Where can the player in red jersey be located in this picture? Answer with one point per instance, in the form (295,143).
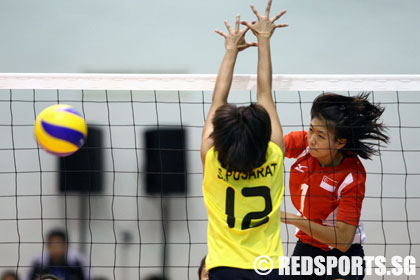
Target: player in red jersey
(327,181)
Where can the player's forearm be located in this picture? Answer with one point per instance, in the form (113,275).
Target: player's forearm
(264,77)
(224,77)
(332,236)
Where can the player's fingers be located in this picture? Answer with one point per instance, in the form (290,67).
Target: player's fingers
(267,10)
(245,30)
(280,25)
(246,23)
(220,33)
(229,28)
(278,16)
(237,22)
(247,45)
(255,11)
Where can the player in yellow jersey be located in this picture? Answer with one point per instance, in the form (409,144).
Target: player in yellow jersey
(242,153)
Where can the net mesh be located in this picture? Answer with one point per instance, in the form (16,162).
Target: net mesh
(123,231)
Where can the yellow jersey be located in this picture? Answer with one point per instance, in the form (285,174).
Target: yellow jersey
(243,211)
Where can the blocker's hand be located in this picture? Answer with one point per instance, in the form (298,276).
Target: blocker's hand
(265,25)
(235,39)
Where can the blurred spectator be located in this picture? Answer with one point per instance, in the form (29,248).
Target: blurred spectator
(47,277)
(9,275)
(58,260)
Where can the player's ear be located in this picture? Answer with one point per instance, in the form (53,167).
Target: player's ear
(340,143)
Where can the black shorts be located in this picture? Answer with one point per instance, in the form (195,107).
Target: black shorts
(303,249)
(230,273)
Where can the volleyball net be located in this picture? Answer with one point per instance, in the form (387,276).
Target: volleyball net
(141,210)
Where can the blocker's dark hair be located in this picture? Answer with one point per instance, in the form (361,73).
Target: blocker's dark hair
(353,118)
(241,136)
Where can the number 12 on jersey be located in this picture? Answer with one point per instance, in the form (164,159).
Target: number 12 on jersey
(262,191)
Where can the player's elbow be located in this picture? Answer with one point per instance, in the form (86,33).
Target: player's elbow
(345,235)
(343,247)
(344,243)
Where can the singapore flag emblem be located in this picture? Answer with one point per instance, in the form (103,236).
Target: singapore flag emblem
(328,184)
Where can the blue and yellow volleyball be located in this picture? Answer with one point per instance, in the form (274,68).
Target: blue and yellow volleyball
(60,130)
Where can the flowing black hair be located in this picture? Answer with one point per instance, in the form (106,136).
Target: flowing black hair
(241,136)
(353,118)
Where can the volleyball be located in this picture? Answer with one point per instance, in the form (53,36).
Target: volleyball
(60,130)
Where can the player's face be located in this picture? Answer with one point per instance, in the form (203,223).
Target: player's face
(204,274)
(322,142)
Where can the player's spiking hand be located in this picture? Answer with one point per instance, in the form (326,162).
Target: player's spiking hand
(235,39)
(265,25)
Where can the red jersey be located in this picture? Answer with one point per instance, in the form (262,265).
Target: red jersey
(325,195)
